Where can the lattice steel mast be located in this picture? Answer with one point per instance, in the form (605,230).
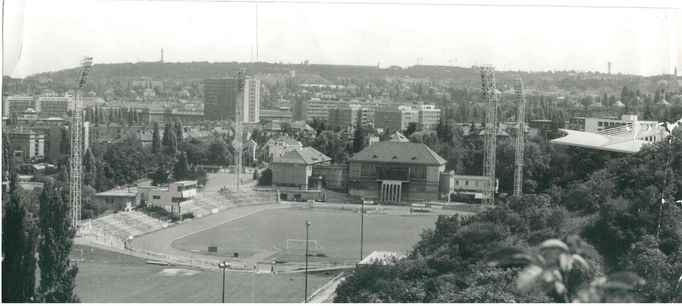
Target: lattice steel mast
(488,89)
(238,117)
(76,160)
(520,137)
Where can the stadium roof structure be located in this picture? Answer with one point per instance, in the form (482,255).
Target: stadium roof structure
(384,258)
(306,155)
(626,141)
(399,152)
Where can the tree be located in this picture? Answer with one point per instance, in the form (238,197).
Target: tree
(159,177)
(552,268)
(90,168)
(359,139)
(266,178)
(18,249)
(411,128)
(178,130)
(57,273)
(7,158)
(181,168)
(218,153)
(65,146)
(156,141)
(332,145)
(169,140)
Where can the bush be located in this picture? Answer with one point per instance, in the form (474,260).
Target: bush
(188,215)
(265,178)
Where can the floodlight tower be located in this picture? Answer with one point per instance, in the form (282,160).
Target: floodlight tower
(238,117)
(520,137)
(76,160)
(488,89)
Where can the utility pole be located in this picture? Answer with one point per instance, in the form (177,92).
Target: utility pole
(238,117)
(488,89)
(362,226)
(76,160)
(307,229)
(520,137)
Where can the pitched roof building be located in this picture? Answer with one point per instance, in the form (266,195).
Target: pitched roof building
(394,172)
(295,167)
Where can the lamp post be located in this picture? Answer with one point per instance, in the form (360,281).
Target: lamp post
(307,228)
(224,265)
(362,226)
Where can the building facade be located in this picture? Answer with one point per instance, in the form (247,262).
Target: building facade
(55,106)
(276,147)
(119,199)
(171,198)
(220,96)
(295,168)
(348,115)
(26,144)
(395,172)
(428,116)
(252,100)
(17,104)
(275,115)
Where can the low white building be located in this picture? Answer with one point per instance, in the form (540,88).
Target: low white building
(172,197)
(119,199)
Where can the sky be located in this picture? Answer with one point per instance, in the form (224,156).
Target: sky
(49,35)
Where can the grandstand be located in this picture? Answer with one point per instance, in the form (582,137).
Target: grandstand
(117,228)
(121,226)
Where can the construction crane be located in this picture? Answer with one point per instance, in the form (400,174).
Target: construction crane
(76,160)
(520,137)
(238,117)
(488,89)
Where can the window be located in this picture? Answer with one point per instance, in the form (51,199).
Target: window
(156,197)
(600,123)
(466,183)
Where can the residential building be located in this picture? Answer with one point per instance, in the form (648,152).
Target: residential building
(252,100)
(276,147)
(17,104)
(55,106)
(395,118)
(428,116)
(395,172)
(294,169)
(220,96)
(348,115)
(275,115)
(26,145)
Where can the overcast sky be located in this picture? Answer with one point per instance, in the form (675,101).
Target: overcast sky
(48,35)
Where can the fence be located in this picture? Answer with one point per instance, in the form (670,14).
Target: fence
(326,291)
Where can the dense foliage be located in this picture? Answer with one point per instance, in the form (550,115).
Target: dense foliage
(617,208)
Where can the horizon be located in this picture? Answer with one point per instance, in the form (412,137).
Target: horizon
(638,41)
(350,65)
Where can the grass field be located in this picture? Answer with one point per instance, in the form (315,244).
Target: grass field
(107,276)
(337,234)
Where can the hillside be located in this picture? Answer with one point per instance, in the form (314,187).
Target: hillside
(570,81)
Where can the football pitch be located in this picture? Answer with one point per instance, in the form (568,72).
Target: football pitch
(106,276)
(334,235)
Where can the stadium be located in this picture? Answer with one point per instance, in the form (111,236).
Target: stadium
(262,238)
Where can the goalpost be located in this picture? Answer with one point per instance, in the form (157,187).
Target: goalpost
(299,245)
